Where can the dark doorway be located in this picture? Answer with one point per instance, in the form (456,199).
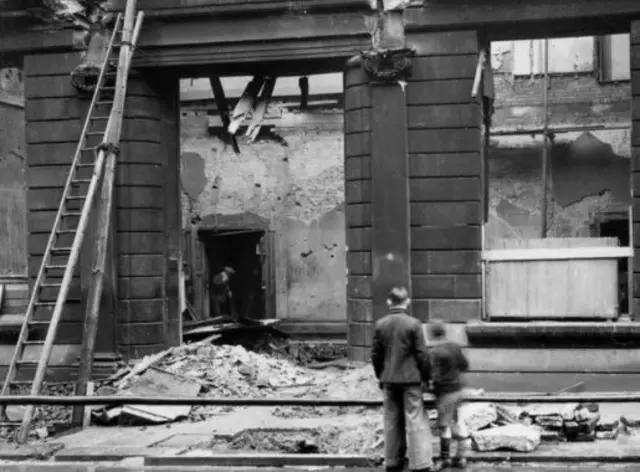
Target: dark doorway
(619,228)
(243,252)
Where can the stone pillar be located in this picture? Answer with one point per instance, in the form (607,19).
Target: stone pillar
(445,166)
(377,171)
(635,161)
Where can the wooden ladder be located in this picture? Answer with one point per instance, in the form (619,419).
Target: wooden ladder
(104,121)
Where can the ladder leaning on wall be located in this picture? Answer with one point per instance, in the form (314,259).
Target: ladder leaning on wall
(104,119)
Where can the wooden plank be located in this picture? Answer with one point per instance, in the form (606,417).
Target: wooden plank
(439,92)
(142,220)
(140,334)
(445,165)
(444,116)
(64,131)
(46,109)
(357,121)
(444,140)
(62,354)
(360,311)
(360,334)
(445,213)
(134,288)
(569,360)
(453,189)
(139,197)
(20,42)
(445,262)
(443,68)
(51,63)
(141,311)
(438,238)
(141,265)
(62,153)
(556,254)
(443,43)
(59,86)
(51,176)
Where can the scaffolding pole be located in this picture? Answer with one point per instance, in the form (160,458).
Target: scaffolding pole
(547,137)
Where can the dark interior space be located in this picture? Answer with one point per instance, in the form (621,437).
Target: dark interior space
(241,251)
(619,229)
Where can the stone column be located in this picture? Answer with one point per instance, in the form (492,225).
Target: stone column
(635,162)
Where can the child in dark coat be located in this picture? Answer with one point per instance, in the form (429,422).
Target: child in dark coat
(448,363)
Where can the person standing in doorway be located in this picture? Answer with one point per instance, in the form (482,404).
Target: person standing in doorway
(401,364)
(221,295)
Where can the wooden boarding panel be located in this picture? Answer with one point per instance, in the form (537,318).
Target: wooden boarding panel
(439,92)
(141,197)
(69,332)
(141,311)
(443,238)
(139,352)
(141,265)
(449,140)
(445,213)
(445,165)
(136,334)
(357,144)
(354,76)
(64,131)
(445,262)
(54,176)
(51,64)
(134,288)
(44,109)
(443,116)
(139,152)
(359,286)
(568,360)
(443,68)
(62,354)
(555,288)
(443,43)
(34,265)
(360,334)
(550,382)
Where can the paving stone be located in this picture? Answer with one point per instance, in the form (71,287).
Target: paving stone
(478,415)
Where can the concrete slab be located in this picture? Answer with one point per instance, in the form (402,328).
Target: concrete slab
(201,458)
(183,441)
(40,451)
(98,454)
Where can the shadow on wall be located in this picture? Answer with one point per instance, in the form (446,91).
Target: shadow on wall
(586,180)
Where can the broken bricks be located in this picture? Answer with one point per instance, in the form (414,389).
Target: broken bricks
(515,437)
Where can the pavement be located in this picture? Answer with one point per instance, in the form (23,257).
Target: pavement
(188,445)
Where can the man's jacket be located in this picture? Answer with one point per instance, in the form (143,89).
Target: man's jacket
(399,355)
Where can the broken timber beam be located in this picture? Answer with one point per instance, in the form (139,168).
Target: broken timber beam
(246,103)
(223,109)
(261,109)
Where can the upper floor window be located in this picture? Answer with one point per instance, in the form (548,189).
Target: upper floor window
(566,56)
(614,58)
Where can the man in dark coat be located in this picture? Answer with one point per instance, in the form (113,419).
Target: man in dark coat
(221,292)
(401,364)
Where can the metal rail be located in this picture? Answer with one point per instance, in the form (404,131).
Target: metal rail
(628,397)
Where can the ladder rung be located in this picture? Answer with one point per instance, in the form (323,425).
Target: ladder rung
(77,197)
(72,213)
(55,267)
(61,250)
(80,181)
(44,304)
(95,133)
(50,285)
(99,117)
(39,322)
(66,231)
(33,343)
(104,102)
(84,166)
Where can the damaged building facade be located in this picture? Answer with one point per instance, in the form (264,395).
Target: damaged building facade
(387,180)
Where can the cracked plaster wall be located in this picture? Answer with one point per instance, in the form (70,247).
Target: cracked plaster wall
(581,185)
(296,188)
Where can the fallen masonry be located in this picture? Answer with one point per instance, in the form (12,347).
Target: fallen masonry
(219,370)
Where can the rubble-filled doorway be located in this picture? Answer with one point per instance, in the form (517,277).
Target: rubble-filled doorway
(242,251)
